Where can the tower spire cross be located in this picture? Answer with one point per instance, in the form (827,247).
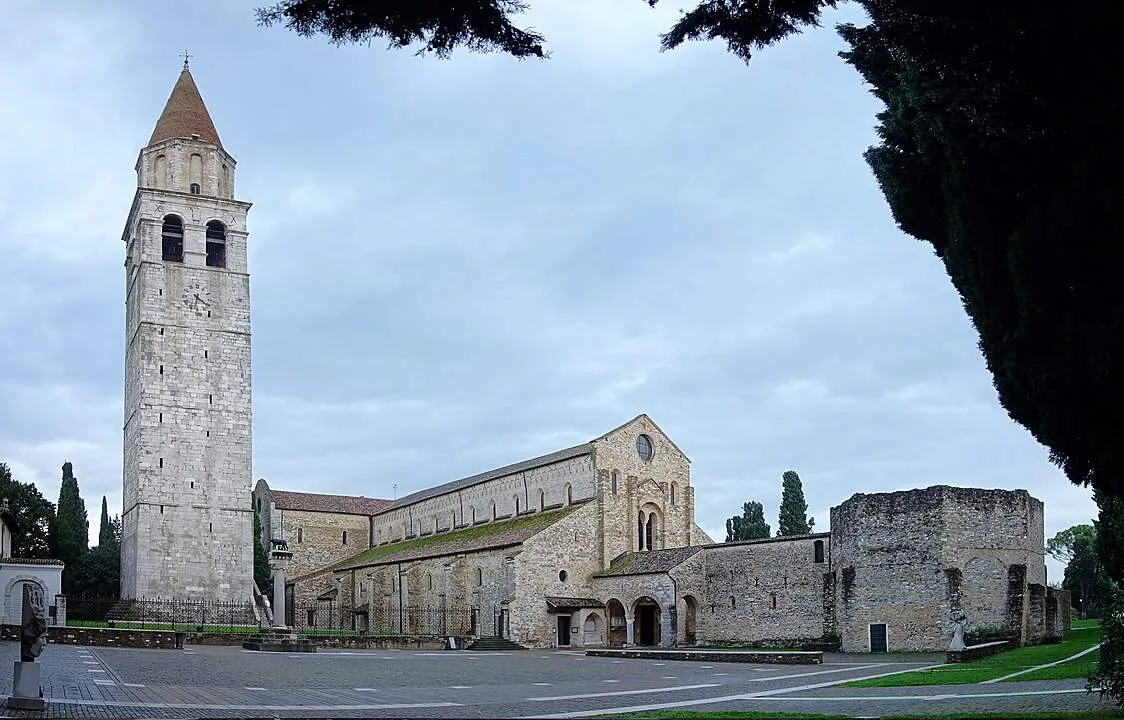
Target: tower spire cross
(186,56)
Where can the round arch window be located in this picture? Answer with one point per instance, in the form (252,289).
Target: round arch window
(562,575)
(644,447)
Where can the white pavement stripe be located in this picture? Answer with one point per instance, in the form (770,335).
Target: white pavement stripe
(542,684)
(104,682)
(1039,667)
(133,684)
(729,698)
(943,696)
(619,692)
(255,688)
(460,687)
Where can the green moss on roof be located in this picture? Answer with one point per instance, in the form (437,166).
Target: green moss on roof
(478,537)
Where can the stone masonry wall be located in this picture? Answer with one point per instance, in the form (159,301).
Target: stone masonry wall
(908,558)
(985,532)
(765,591)
(494,499)
(561,547)
(187,522)
(316,539)
(662,484)
(887,556)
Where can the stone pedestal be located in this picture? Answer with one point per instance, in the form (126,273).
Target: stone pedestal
(25,688)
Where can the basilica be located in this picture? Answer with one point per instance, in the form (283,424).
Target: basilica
(590,545)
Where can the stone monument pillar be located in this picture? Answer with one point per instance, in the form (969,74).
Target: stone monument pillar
(280,557)
(27,693)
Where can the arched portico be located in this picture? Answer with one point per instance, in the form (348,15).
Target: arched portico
(690,615)
(618,623)
(647,631)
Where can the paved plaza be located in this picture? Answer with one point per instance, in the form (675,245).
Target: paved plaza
(203,681)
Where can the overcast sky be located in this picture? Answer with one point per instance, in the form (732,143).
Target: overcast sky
(456,265)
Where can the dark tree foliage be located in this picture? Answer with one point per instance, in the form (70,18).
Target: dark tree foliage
(750,525)
(794,518)
(439,26)
(33,514)
(263,576)
(1085,578)
(69,533)
(106,532)
(98,573)
(1110,535)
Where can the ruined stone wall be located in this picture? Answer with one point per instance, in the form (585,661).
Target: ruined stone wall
(985,533)
(909,558)
(661,484)
(886,552)
(496,499)
(769,592)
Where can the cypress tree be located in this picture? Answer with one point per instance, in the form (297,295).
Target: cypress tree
(794,518)
(263,575)
(105,530)
(69,534)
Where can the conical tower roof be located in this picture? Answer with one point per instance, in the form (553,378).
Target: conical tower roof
(185,114)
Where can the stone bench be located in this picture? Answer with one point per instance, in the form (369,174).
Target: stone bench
(974,652)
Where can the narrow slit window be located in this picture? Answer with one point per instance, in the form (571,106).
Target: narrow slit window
(161,462)
(161,369)
(345,537)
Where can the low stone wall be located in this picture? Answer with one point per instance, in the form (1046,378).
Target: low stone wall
(974,652)
(101,637)
(725,656)
(388,642)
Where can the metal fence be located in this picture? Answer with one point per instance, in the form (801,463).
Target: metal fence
(216,616)
(329,617)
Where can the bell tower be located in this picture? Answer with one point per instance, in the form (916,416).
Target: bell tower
(187,521)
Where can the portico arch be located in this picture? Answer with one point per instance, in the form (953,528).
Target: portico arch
(646,612)
(591,630)
(617,624)
(690,614)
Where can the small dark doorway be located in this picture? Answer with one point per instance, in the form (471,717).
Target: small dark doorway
(878,637)
(563,630)
(647,622)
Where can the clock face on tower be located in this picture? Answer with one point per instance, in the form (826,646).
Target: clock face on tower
(197,298)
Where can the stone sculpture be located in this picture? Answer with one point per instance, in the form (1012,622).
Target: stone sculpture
(958,622)
(33,632)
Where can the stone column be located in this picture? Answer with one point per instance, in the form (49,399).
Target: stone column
(628,630)
(280,560)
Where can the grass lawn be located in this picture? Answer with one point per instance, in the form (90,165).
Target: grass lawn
(749,715)
(1083,636)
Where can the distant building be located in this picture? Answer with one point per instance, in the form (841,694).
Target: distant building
(597,545)
(16,572)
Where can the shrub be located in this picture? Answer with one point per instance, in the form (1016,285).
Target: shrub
(1109,678)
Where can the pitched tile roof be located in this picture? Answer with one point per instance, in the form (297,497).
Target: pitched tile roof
(650,561)
(185,114)
(316,502)
(504,533)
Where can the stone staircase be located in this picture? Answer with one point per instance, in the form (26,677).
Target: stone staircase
(493,644)
(278,640)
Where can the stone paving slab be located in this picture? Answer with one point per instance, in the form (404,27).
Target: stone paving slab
(226,682)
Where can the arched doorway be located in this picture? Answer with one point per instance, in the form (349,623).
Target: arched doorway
(691,609)
(617,625)
(13,597)
(591,630)
(646,630)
